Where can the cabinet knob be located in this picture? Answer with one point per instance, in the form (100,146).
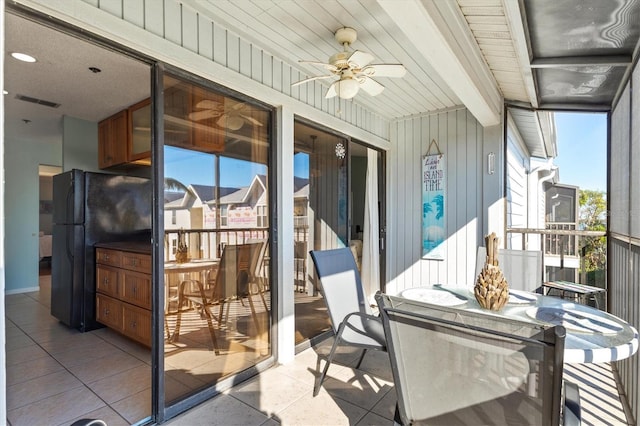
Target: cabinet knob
(105,280)
(133,324)
(106,312)
(135,290)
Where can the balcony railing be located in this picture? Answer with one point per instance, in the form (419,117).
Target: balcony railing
(208,243)
(563,253)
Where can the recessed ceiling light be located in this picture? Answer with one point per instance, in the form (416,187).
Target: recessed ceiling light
(23,57)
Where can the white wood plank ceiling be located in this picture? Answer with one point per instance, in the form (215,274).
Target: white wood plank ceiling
(295,30)
(304,30)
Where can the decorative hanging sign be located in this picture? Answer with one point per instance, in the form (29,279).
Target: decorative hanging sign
(434,230)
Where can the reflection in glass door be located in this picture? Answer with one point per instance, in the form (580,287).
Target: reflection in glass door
(320,219)
(339,201)
(216,247)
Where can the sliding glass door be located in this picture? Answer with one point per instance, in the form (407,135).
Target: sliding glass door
(217,311)
(338,202)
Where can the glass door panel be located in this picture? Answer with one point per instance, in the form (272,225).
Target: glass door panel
(216,276)
(320,219)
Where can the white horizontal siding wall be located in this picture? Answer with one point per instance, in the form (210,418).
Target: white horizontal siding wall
(464,142)
(517,165)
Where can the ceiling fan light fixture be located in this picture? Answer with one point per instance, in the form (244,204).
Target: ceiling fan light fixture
(347,88)
(231,122)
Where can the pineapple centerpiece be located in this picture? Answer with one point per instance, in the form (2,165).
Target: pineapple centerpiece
(491,289)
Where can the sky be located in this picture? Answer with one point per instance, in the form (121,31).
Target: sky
(194,167)
(582,149)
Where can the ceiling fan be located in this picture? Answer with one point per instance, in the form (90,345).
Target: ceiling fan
(353,69)
(231,115)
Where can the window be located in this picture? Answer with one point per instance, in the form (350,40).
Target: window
(223,215)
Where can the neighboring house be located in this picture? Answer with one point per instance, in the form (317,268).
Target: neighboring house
(562,256)
(191,209)
(531,147)
(246,207)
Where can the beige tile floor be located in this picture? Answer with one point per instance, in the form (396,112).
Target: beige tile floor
(56,376)
(361,397)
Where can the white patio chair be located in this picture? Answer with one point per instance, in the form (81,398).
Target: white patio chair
(460,367)
(351,317)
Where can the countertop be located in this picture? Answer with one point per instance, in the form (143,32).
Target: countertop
(131,246)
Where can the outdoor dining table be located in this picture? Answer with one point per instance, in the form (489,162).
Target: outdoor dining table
(593,336)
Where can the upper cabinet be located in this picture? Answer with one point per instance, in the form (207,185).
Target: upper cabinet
(125,137)
(112,140)
(139,130)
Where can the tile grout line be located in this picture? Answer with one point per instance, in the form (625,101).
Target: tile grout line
(50,355)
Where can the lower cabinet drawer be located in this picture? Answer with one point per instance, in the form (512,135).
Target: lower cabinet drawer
(135,288)
(109,311)
(137,323)
(123,292)
(107,280)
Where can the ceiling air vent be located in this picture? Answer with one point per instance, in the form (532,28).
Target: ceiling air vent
(37,101)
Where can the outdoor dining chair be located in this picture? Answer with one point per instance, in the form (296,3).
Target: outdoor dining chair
(351,316)
(230,281)
(453,367)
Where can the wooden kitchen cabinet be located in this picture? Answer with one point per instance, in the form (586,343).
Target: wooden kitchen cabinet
(139,141)
(123,289)
(125,137)
(107,280)
(109,311)
(112,140)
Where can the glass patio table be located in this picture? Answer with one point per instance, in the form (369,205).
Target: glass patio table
(593,335)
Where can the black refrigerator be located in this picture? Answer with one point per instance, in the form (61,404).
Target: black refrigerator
(89,208)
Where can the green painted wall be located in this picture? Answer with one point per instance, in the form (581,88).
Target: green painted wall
(80,144)
(22,158)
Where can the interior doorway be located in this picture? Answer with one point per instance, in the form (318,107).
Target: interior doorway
(45,212)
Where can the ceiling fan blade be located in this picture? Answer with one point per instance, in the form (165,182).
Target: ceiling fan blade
(237,106)
(384,70)
(371,86)
(203,115)
(306,80)
(331,93)
(329,67)
(251,120)
(208,104)
(360,59)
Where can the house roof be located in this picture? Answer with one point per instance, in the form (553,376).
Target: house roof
(299,183)
(236,197)
(206,193)
(302,192)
